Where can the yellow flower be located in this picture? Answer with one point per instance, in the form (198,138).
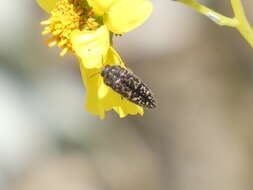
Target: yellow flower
(83,28)
(120,16)
(94,52)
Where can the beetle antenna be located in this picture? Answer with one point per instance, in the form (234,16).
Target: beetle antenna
(93,75)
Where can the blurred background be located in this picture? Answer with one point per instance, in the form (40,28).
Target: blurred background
(199,137)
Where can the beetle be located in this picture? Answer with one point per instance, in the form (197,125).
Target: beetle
(128,85)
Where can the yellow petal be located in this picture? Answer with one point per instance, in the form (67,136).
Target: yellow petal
(91,46)
(126,15)
(100,6)
(101,98)
(47,5)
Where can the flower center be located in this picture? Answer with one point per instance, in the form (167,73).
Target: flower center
(69,15)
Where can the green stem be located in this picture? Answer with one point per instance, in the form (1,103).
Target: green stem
(239,21)
(243,27)
(211,14)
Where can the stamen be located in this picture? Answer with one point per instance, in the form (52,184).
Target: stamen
(51,44)
(64,51)
(68,16)
(92,24)
(90,13)
(56,32)
(45,22)
(62,43)
(79,12)
(45,32)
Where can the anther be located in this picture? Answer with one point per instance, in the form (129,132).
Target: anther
(62,43)
(45,22)
(45,32)
(90,13)
(51,44)
(56,32)
(64,51)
